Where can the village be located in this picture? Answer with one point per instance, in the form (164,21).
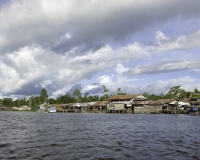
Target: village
(129,104)
(119,103)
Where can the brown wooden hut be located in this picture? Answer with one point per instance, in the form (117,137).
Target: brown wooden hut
(165,105)
(99,107)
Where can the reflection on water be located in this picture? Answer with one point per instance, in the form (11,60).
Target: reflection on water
(28,135)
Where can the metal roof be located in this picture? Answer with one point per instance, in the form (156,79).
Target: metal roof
(118,97)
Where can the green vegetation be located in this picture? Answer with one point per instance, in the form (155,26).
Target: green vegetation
(174,93)
(77,95)
(33,101)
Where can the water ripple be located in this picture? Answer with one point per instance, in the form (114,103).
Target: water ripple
(98,136)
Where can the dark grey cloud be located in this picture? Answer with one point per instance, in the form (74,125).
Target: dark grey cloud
(96,91)
(73,88)
(28,89)
(95,31)
(91,27)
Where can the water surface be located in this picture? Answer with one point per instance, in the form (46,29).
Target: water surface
(30,135)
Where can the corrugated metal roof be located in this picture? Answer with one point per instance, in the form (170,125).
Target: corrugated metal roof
(174,102)
(141,102)
(123,102)
(80,104)
(162,101)
(100,103)
(189,99)
(91,103)
(118,97)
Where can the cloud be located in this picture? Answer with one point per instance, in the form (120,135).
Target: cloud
(158,87)
(61,44)
(163,67)
(160,37)
(92,27)
(164,86)
(67,89)
(34,65)
(120,69)
(181,42)
(105,79)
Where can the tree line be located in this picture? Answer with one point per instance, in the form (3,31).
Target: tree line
(33,101)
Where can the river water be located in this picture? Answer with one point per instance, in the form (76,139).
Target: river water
(30,135)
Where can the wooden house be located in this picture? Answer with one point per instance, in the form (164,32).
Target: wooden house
(124,103)
(91,107)
(191,104)
(140,107)
(59,107)
(169,106)
(73,107)
(66,108)
(192,101)
(99,107)
(80,107)
(158,106)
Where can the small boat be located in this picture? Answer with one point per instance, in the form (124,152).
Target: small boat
(193,110)
(52,110)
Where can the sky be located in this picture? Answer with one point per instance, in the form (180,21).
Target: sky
(138,46)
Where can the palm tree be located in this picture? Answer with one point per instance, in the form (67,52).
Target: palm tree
(105,90)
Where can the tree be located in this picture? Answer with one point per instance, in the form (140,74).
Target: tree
(30,102)
(96,98)
(1,102)
(162,96)
(85,99)
(153,97)
(176,92)
(195,94)
(77,94)
(121,93)
(105,90)
(43,95)
(118,91)
(36,101)
(196,90)
(51,101)
(145,94)
(7,102)
(65,99)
